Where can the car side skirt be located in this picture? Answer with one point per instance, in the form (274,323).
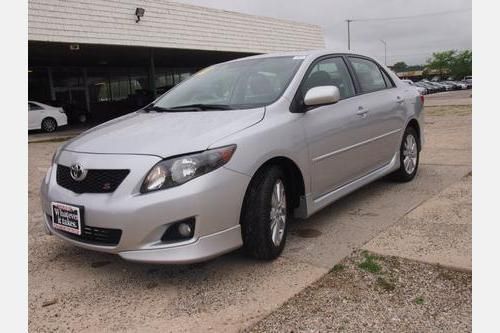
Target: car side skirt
(308,205)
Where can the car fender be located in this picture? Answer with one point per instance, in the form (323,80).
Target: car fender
(280,134)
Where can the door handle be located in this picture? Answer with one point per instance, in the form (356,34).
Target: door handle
(362,112)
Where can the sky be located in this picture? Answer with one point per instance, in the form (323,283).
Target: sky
(412,40)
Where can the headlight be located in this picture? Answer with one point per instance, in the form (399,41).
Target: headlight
(179,170)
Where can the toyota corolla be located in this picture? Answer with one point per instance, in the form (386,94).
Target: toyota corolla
(227,157)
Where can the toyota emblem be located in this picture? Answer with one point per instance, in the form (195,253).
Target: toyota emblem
(77,172)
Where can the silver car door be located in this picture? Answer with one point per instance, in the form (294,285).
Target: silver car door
(334,132)
(385,111)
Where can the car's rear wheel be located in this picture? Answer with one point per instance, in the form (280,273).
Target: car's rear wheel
(409,156)
(49,125)
(264,214)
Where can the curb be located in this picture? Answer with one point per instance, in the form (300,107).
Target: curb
(54,139)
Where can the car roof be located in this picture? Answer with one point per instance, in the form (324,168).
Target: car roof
(41,104)
(300,53)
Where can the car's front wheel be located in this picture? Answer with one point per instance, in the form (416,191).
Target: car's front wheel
(264,214)
(409,156)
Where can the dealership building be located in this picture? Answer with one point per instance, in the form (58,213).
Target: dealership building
(104,58)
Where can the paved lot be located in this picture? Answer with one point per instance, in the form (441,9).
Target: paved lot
(72,289)
(439,231)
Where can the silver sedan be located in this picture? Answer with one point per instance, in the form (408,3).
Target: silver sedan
(224,159)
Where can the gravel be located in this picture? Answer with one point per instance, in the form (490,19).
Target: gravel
(404,296)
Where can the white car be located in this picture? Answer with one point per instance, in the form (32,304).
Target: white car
(45,117)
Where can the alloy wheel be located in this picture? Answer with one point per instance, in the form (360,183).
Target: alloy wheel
(278,212)
(410,153)
(49,125)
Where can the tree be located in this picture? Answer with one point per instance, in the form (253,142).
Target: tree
(452,62)
(462,65)
(400,67)
(442,61)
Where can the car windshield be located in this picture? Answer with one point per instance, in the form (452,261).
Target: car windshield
(234,85)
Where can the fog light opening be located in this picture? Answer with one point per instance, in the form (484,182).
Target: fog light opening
(179,231)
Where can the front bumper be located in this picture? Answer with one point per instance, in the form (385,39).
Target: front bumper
(214,200)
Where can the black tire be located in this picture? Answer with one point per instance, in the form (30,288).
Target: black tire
(255,217)
(402,174)
(49,125)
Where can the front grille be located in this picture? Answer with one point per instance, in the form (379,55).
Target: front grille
(96,181)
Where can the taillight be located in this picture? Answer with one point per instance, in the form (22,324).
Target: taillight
(61,110)
(422,99)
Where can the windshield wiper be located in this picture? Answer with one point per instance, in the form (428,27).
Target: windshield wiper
(201,107)
(152,107)
(187,108)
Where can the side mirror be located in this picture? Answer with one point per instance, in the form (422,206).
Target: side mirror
(322,95)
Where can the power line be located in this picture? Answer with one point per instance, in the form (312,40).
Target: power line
(348,21)
(410,17)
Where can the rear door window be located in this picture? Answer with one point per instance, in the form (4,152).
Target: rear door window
(369,75)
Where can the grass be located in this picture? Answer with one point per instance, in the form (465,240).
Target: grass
(386,285)
(369,264)
(419,300)
(337,268)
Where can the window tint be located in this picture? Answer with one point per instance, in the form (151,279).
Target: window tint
(369,76)
(33,107)
(330,72)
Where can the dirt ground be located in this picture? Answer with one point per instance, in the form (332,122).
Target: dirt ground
(72,289)
(457,97)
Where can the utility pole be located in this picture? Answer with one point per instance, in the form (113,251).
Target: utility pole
(385,51)
(349,34)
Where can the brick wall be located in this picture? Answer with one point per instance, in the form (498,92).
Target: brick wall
(165,24)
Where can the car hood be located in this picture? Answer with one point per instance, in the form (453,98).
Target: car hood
(163,133)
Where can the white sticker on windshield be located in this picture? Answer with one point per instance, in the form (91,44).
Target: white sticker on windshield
(299,57)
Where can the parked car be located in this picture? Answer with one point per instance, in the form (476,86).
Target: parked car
(468,80)
(45,117)
(431,88)
(457,85)
(452,86)
(467,83)
(438,87)
(422,85)
(421,90)
(446,86)
(227,157)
